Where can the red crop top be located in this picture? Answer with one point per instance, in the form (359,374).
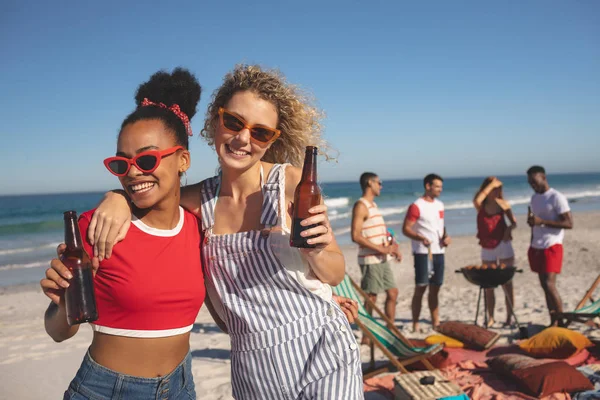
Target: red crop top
(153,284)
(490,229)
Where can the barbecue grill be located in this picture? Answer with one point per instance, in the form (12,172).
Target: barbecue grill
(489,277)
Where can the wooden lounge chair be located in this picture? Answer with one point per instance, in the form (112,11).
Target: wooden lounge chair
(584,313)
(397,348)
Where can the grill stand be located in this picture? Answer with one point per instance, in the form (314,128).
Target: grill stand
(523,333)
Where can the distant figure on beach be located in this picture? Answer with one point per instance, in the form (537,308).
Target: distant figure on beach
(495,238)
(151,289)
(424,225)
(290,337)
(550,216)
(369,232)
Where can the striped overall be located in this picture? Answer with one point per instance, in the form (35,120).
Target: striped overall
(286,342)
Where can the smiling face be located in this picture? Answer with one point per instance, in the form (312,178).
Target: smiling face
(147,190)
(235,149)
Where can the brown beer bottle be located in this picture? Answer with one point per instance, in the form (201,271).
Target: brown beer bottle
(307,195)
(530,215)
(79,296)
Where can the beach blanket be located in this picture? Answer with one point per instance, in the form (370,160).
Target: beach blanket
(481,383)
(468,369)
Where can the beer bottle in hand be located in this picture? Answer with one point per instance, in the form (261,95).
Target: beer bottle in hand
(530,218)
(307,195)
(79,296)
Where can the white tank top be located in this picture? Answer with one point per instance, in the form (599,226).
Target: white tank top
(375,230)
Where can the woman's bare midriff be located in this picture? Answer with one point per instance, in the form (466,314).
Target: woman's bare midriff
(142,357)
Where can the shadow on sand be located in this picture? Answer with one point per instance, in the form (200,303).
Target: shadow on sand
(206,328)
(219,354)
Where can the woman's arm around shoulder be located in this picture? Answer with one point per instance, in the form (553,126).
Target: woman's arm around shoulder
(110,223)
(191,198)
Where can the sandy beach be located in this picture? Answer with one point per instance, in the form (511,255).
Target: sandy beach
(32,366)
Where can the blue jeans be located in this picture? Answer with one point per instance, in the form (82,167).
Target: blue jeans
(95,382)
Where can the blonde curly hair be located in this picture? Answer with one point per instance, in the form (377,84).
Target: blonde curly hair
(298,117)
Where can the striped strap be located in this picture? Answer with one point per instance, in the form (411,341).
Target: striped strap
(269,213)
(208,188)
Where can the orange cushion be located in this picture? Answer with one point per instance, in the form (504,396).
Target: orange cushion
(555,343)
(448,341)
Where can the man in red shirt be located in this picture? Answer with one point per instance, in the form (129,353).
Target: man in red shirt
(424,225)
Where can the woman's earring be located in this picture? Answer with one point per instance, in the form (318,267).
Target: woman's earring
(185,174)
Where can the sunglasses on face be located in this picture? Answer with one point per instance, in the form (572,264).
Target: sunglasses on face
(258,133)
(147,161)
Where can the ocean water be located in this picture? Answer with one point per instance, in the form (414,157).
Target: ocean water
(31,226)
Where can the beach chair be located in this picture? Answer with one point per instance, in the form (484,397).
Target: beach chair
(397,348)
(582,313)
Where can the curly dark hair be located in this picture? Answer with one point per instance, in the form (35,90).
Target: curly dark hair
(178,87)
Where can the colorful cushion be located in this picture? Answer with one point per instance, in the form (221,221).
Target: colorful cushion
(540,378)
(555,343)
(446,340)
(548,378)
(472,336)
(507,363)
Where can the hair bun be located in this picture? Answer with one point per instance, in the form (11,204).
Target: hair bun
(178,87)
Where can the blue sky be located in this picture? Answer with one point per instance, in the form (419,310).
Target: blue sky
(461,88)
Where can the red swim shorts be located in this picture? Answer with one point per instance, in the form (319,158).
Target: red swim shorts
(546,260)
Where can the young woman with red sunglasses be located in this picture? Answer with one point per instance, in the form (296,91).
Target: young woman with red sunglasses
(151,289)
(289,338)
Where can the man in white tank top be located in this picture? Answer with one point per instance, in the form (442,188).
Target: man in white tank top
(369,231)
(424,225)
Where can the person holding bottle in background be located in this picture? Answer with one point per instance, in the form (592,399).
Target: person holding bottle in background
(375,249)
(549,216)
(424,225)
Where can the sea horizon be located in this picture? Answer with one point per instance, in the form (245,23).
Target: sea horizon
(31,225)
(550,175)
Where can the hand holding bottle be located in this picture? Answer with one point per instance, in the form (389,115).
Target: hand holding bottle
(316,229)
(58,276)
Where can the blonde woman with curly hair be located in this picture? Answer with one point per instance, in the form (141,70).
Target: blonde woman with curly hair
(289,338)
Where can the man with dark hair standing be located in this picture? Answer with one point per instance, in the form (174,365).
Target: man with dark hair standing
(369,231)
(424,225)
(550,215)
